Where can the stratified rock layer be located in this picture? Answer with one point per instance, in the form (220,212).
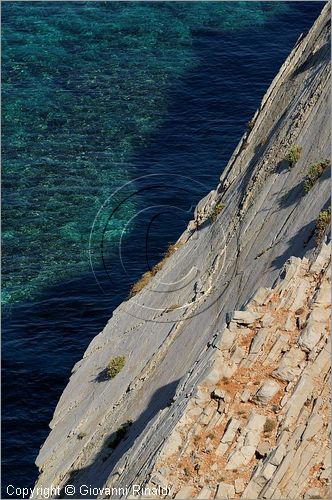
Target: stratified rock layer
(258,423)
(242,235)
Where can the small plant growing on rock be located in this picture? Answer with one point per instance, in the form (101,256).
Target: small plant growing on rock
(120,434)
(315,171)
(115,366)
(269,425)
(141,283)
(322,223)
(216,211)
(148,275)
(293,155)
(170,250)
(81,435)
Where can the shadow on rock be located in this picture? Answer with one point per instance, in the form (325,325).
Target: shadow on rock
(116,445)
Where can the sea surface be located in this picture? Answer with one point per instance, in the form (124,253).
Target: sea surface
(117,118)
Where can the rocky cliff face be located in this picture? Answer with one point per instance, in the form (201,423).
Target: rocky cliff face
(236,404)
(257,424)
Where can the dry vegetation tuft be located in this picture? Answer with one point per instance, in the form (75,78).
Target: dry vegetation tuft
(148,275)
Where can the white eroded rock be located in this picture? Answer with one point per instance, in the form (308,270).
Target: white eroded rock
(268,390)
(225,491)
(244,317)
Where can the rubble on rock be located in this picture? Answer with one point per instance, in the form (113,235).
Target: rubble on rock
(274,442)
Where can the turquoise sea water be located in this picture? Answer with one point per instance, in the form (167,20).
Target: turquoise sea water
(96,94)
(84,85)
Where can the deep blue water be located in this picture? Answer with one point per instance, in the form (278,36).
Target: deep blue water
(96,95)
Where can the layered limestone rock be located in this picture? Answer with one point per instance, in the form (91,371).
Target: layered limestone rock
(243,233)
(258,423)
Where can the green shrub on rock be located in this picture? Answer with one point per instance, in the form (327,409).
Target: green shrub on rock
(293,155)
(315,171)
(115,366)
(120,434)
(216,211)
(322,223)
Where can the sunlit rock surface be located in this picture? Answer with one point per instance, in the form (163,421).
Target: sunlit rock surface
(201,383)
